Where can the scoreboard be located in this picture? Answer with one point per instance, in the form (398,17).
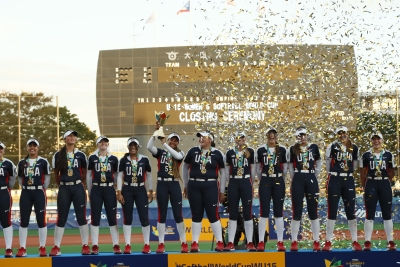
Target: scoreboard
(224,86)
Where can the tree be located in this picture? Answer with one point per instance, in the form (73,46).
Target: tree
(38,118)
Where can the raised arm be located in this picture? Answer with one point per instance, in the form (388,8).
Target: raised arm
(151,147)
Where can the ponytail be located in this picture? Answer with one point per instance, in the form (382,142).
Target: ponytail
(349,146)
(175,166)
(296,149)
(61,164)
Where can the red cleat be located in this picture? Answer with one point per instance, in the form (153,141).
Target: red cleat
(194,247)
(219,247)
(367,246)
(327,246)
(9,253)
(127,249)
(42,252)
(21,252)
(85,250)
(250,247)
(55,251)
(146,249)
(294,246)
(229,247)
(117,249)
(280,246)
(184,248)
(95,250)
(260,246)
(356,246)
(316,246)
(391,246)
(161,248)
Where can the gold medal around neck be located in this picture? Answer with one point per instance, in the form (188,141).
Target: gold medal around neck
(134,179)
(171,172)
(103,177)
(305,166)
(70,172)
(30,181)
(203,170)
(271,171)
(346,168)
(240,171)
(378,173)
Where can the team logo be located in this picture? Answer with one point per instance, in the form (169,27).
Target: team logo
(172,55)
(98,265)
(355,263)
(154,230)
(333,263)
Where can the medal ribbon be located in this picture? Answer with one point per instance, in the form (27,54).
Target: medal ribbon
(378,164)
(134,164)
(239,158)
(304,156)
(103,165)
(169,160)
(30,169)
(271,157)
(204,158)
(70,161)
(344,153)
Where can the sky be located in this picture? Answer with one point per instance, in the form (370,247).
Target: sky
(53,46)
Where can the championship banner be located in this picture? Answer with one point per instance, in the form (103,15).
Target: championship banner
(237,259)
(31,262)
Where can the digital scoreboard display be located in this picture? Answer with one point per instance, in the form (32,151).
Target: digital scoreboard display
(221,86)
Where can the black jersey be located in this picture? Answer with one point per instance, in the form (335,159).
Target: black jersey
(341,158)
(236,160)
(266,159)
(32,173)
(377,162)
(164,163)
(7,169)
(204,166)
(78,163)
(135,170)
(103,168)
(307,159)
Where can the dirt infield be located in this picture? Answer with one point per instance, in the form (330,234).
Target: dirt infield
(138,238)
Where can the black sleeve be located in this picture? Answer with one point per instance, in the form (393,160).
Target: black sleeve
(188,158)
(84,160)
(283,156)
(90,163)
(115,164)
(148,167)
(250,160)
(317,154)
(356,154)
(20,169)
(121,165)
(291,154)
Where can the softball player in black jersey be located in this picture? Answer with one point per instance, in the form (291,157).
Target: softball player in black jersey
(376,170)
(70,166)
(134,175)
(34,178)
(7,181)
(201,167)
(100,178)
(168,187)
(272,168)
(341,162)
(241,172)
(304,167)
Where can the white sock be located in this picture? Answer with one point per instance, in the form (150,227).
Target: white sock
(315,228)
(196,230)
(232,226)
(294,228)
(23,234)
(161,232)
(248,229)
(181,230)
(8,236)
(353,229)
(330,226)
(84,229)
(94,234)
(114,234)
(42,236)
(368,228)
(127,234)
(279,228)
(388,226)
(58,234)
(262,226)
(146,234)
(217,230)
